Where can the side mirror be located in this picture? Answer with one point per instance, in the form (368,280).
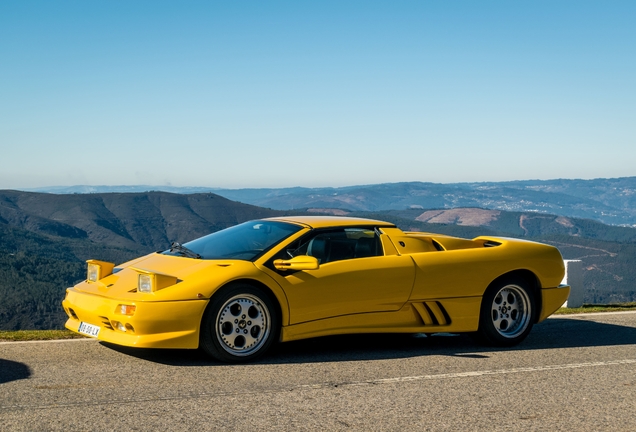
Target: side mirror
(301,262)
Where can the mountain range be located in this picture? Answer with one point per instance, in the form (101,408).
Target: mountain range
(45,239)
(611,201)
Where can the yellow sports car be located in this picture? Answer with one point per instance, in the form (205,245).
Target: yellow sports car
(235,292)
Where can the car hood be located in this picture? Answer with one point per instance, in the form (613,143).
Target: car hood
(195,278)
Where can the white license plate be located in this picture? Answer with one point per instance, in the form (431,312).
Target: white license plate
(88,329)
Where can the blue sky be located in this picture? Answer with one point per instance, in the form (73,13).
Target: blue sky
(276,94)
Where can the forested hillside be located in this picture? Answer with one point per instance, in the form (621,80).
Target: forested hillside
(36,269)
(129,220)
(45,240)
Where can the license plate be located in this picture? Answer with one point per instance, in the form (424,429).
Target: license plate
(88,329)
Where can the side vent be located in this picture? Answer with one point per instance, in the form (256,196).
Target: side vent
(432,313)
(438,246)
(491,243)
(106,322)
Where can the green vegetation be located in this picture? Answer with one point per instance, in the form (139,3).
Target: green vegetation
(609,274)
(37,335)
(46,239)
(631,306)
(35,271)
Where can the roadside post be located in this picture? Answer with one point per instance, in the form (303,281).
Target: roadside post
(574,278)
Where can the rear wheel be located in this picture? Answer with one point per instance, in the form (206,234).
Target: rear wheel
(507,313)
(239,324)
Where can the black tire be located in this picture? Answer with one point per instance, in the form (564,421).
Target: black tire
(507,313)
(239,324)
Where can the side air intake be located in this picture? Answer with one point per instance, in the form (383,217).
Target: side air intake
(432,313)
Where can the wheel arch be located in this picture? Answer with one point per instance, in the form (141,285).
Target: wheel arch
(281,311)
(533,283)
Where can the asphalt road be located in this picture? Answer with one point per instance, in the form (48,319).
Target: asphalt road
(574,373)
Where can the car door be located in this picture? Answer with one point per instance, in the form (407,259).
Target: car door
(354,276)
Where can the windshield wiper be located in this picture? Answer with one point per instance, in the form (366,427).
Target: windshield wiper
(184,251)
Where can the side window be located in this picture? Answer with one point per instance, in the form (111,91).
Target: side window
(341,244)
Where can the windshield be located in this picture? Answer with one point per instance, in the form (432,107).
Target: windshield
(244,242)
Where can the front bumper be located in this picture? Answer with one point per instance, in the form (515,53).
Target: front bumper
(167,324)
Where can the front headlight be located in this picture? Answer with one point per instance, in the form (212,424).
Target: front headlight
(148,281)
(144,283)
(97,270)
(93,273)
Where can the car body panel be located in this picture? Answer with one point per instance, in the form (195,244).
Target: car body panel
(168,324)
(552,300)
(317,222)
(372,284)
(437,274)
(414,317)
(421,282)
(194,277)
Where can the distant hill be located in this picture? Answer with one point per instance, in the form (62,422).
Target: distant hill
(137,221)
(46,238)
(611,201)
(608,252)
(520,224)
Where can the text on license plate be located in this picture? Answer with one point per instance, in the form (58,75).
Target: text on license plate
(88,329)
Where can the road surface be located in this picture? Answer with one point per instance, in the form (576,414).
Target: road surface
(572,373)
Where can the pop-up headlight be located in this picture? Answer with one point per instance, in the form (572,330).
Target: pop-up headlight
(97,270)
(148,281)
(145,283)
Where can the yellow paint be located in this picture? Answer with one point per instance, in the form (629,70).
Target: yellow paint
(414,287)
(156,324)
(104,268)
(301,262)
(553,299)
(406,320)
(159,280)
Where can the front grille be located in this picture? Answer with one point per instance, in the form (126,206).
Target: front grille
(106,322)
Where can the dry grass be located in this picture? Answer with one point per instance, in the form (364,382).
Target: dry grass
(597,308)
(31,335)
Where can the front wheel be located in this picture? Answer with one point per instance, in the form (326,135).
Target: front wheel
(507,313)
(239,324)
